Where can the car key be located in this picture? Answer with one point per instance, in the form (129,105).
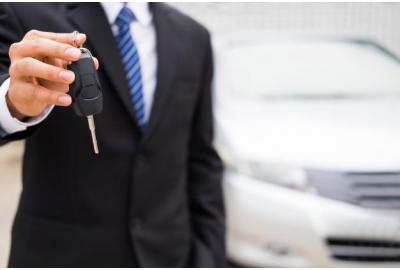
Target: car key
(86,92)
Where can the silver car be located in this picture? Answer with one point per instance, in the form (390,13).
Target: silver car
(309,129)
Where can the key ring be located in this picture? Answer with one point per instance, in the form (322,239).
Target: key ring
(74,38)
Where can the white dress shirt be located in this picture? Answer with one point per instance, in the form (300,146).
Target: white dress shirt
(144,35)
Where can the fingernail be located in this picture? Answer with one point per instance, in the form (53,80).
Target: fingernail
(64,99)
(67,75)
(73,52)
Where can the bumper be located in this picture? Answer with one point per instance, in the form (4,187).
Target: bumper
(274,226)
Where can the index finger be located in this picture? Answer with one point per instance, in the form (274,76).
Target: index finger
(42,47)
(67,38)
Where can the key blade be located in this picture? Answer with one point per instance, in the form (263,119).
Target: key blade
(92,128)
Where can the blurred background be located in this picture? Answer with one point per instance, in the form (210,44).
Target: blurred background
(307,116)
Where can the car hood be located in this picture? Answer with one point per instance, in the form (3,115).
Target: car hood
(341,134)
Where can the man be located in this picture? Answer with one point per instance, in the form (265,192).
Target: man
(152,197)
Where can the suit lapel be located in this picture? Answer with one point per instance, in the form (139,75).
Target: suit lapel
(167,54)
(90,19)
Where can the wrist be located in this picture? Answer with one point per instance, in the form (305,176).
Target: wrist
(13,110)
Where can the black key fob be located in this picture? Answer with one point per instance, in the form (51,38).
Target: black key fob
(85,90)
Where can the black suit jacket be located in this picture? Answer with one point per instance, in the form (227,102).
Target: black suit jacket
(150,198)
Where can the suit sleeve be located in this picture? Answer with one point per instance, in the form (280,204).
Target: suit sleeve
(205,174)
(11,31)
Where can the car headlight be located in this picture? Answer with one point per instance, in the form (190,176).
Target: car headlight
(279,174)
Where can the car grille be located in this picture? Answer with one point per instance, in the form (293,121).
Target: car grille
(373,190)
(364,250)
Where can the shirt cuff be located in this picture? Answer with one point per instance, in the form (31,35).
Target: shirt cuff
(12,125)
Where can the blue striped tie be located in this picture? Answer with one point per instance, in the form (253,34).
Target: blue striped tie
(131,63)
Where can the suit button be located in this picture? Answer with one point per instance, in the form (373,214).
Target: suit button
(137,225)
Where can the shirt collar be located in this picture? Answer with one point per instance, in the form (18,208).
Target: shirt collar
(140,9)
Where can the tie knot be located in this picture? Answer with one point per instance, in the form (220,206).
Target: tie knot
(125,16)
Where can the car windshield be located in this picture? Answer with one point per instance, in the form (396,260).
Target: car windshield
(309,69)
